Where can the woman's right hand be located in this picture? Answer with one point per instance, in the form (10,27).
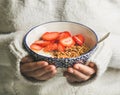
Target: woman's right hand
(39,70)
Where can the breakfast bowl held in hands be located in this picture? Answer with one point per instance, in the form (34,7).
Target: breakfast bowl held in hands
(61,43)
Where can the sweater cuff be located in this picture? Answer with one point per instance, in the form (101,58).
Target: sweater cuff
(101,57)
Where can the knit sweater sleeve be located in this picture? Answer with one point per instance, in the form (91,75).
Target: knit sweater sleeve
(115,60)
(17,50)
(101,57)
(5,39)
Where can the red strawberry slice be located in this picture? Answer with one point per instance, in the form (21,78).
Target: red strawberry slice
(64,34)
(68,42)
(42,43)
(50,36)
(60,48)
(50,47)
(79,39)
(35,47)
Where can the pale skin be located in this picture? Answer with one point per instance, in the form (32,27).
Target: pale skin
(42,70)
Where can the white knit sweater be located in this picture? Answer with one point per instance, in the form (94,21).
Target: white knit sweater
(18,16)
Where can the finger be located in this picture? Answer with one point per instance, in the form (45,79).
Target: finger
(33,66)
(70,77)
(40,72)
(78,74)
(84,69)
(73,79)
(27,59)
(92,65)
(47,75)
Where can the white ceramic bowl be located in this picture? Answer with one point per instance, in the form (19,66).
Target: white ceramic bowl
(75,28)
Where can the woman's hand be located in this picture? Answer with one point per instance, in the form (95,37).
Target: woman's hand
(80,72)
(39,70)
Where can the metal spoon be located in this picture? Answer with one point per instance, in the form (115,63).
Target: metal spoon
(104,37)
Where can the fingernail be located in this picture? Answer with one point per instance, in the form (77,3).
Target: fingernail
(76,66)
(91,64)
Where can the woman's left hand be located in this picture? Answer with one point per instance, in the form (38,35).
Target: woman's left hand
(80,72)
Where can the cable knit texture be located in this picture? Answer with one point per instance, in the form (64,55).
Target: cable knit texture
(101,15)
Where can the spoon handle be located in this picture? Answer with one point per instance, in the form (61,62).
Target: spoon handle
(104,37)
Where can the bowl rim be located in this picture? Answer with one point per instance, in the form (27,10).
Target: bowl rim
(32,52)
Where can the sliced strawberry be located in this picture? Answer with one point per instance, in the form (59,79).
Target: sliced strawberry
(79,39)
(68,42)
(50,47)
(35,47)
(64,34)
(50,36)
(42,43)
(60,48)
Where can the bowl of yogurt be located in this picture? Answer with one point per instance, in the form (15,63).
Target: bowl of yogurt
(62,43)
